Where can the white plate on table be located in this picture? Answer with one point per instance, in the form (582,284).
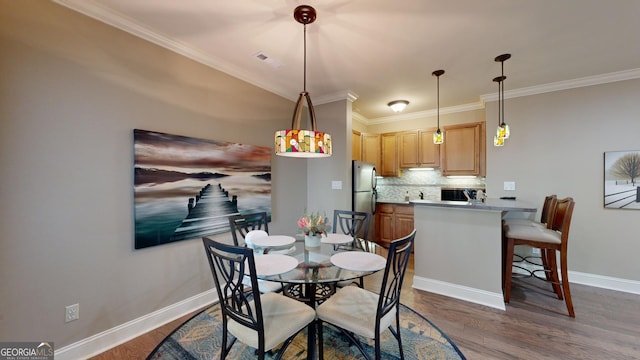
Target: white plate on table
(274,264)
(358,261)
(336,239)
(273,241)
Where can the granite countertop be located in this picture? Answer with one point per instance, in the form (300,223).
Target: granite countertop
(488,205)
(397,202)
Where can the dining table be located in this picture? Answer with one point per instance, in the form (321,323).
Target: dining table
(311,274)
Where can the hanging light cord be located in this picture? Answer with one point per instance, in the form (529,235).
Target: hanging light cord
(304,84)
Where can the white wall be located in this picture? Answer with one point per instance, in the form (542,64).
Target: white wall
(72,91)
(557,146)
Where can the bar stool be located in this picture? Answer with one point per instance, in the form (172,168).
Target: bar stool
(554,237)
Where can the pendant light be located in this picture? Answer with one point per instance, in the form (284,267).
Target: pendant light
(497,140)
(296,142)
(503,130)
(438,136)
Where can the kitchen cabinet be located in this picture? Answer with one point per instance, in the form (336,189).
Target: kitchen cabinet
(371,149)
(463,150)
(418,150)
(389,147)
(393,221)
(356,145)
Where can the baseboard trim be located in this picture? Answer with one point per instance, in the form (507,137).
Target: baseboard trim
(599,281)
(605,282)
(110,338)
(461,292)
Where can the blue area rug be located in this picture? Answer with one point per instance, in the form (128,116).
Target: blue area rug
(200,337)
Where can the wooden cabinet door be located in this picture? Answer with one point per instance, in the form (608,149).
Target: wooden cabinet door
(386,229)
(389,166)
(356,145)
(428,152)
(371,149)
(408,148)
(462,149)
(403,225)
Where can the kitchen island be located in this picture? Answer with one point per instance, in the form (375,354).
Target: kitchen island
(458,248)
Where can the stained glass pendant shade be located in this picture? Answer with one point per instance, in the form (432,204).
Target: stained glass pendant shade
(296,142)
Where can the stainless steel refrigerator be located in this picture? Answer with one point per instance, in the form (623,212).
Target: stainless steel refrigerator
(364,192)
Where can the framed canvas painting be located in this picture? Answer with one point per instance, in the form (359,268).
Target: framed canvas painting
(186,188)
(622,179)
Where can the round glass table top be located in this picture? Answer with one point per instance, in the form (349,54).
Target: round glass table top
(315,266)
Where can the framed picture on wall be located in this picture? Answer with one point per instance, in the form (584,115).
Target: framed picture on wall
(186,188)
(622,179)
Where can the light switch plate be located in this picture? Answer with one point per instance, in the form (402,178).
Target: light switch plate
(510,185)
(336,185)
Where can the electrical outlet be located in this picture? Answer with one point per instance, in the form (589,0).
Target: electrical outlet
(510,185)
(72,312)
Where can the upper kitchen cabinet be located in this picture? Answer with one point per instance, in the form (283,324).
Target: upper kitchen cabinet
(371,149)
(463,150)
(389,146)
(356,145)
(418,150)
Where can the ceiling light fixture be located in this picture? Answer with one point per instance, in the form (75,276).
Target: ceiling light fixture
(295,142)
(398,105)
(503,130)
(438,136)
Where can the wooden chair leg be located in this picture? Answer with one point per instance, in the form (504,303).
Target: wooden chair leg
(508,259)
(551,268)
(565,284)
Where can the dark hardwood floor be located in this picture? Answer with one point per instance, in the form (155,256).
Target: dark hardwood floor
(535,325)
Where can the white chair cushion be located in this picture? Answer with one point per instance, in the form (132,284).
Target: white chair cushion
(254,234)
(534,233)
(282,317)
(264,286)
(354,309)
(524,222)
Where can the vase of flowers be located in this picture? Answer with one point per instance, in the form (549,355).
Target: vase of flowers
(313,226)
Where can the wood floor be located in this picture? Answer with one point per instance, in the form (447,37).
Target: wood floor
(535,325)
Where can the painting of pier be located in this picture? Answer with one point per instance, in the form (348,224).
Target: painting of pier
(186,188)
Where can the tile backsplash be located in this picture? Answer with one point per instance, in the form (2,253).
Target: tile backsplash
(429,182)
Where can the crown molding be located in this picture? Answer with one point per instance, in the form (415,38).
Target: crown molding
(567,84)
(423,114)
(340,95)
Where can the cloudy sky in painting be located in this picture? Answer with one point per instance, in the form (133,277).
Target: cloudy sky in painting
(191,155)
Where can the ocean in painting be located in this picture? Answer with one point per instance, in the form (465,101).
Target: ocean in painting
(218,178)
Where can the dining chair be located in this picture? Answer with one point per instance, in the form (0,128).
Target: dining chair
(553,238)
(243,225)
(354,310)
(547,206)
(355,224)
(261,321)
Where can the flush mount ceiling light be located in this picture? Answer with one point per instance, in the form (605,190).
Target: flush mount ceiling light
(438,136)
(503,130)
(398,105)
(295,142)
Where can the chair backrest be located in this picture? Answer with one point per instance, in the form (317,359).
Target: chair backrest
(354,223)
(548,207)
(397,260)
(229,266)
(242,224)
(561,220)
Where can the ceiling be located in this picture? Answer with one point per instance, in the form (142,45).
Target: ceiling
(382,50)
